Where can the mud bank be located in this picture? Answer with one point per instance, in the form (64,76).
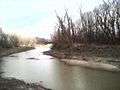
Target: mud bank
(94,57)
(6,52)
(92,65)
(15,84)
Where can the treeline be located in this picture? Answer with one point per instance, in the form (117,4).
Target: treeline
(12,40)
(42,40)
(8,41)
(100,26)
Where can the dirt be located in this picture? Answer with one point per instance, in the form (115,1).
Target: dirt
(15,84)
(8,51)
(105,54)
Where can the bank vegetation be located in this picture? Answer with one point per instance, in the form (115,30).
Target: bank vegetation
(94,38)
(12,43)
(100,27)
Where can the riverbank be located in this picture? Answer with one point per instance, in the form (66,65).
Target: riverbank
(15,84)
(6,52)
(103,57)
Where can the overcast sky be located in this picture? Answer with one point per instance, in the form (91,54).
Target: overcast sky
(37,17)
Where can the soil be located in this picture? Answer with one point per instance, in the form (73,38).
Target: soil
(106,54)
(15,84)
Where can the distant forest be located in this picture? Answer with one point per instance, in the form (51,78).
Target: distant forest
(8,41)
(12,40)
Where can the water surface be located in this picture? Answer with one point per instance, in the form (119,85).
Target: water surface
(33,66)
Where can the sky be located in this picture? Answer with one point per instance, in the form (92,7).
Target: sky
(37,17)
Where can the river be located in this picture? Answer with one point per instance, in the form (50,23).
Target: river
(33,66)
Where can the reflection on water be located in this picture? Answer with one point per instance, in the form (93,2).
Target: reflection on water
(55,74)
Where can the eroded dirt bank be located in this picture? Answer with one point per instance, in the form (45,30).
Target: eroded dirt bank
(100,57)
(15,84)
(6,52)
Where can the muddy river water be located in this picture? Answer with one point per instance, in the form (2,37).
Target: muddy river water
(33,66)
